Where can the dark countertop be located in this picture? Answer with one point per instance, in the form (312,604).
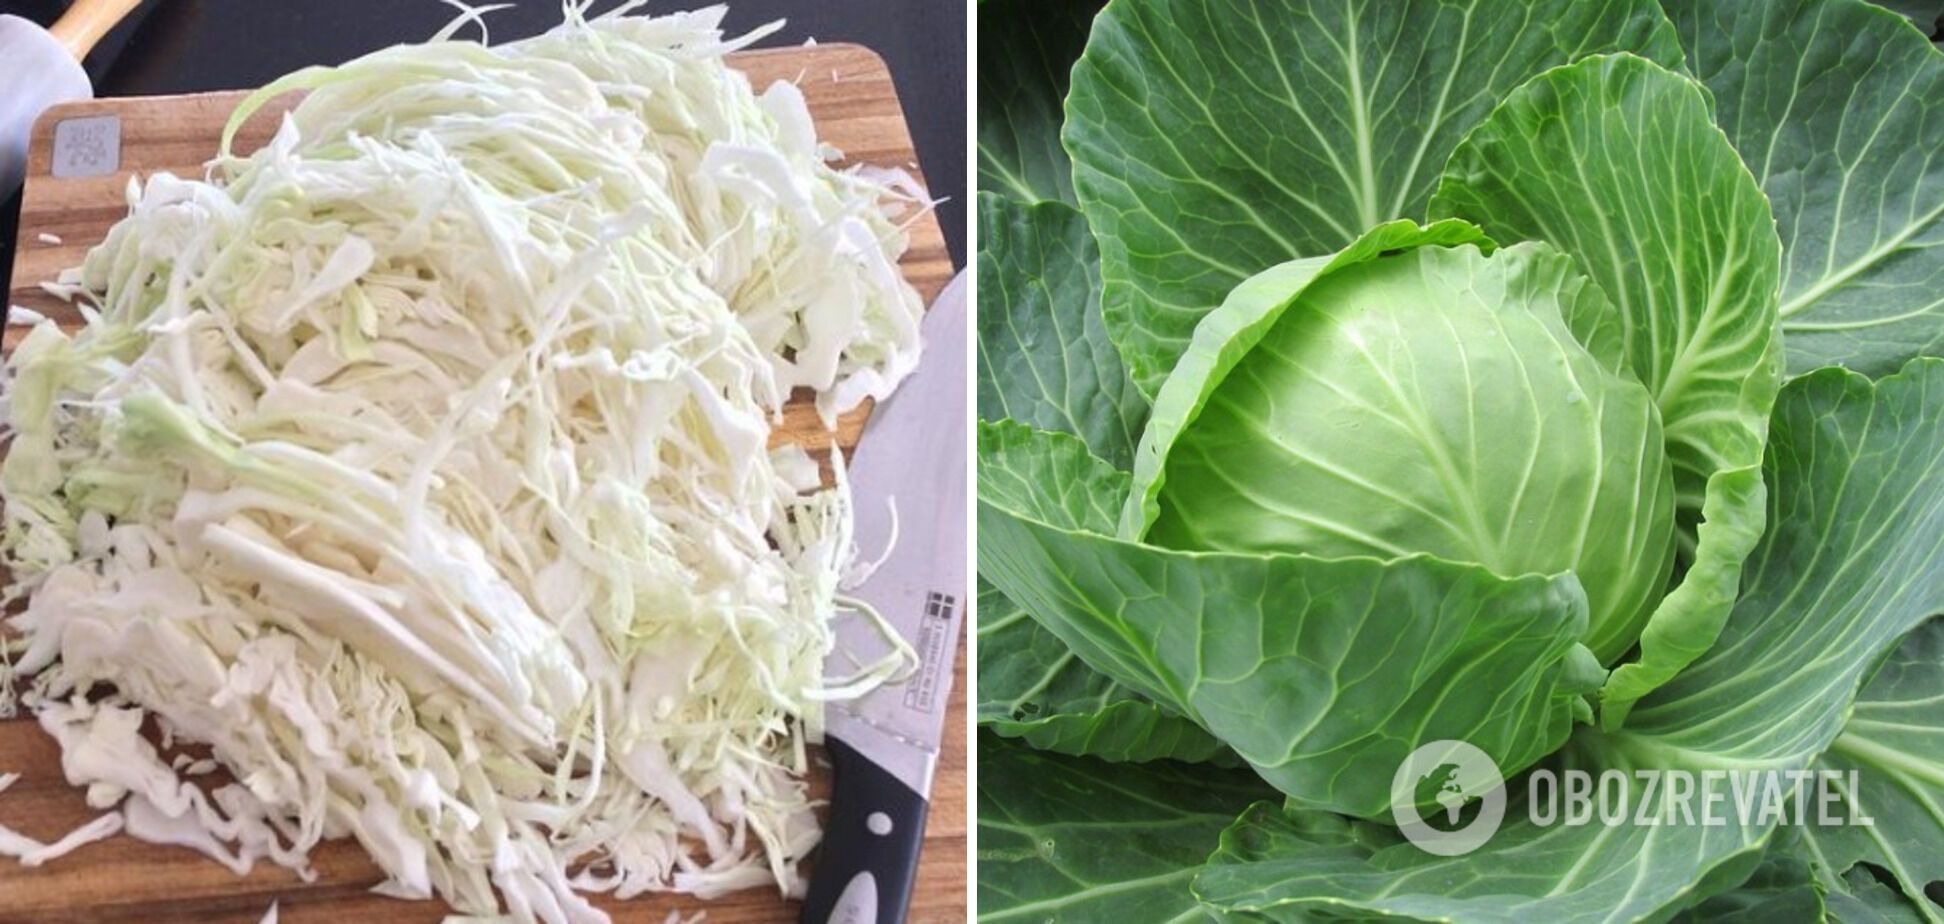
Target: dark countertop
(186,46)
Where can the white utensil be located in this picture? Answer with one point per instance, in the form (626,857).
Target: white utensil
(42,67)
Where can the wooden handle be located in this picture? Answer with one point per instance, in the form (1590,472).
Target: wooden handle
(87,21)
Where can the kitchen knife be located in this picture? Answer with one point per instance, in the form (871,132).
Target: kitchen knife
(41,67)
(884,746)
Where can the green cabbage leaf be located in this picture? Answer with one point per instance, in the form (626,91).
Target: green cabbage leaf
(1562,378)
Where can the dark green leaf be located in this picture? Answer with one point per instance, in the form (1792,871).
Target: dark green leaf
(1074,840)
(1026,52)
(1032,687)
(1044,357)
(1894,745)
(1782,889)
(1858,898)
(1838,108)
(1213,139)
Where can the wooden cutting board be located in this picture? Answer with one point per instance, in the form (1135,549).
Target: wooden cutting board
(856,108)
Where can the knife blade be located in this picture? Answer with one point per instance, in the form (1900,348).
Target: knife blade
(884,745)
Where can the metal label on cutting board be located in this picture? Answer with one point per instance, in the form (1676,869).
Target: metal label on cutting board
(87,146)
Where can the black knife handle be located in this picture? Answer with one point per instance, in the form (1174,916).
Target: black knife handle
(869,857)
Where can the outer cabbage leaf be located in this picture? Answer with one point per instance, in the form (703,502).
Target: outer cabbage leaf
(1403,398)
(1781,889)
(1321,674)
(1032,687)
(1268,869)
(1860,899)
(1838,108)
(1044,361)
(1026,52)
(1617,161)
(1213,138)
(1071,839)
(1923,14)
(1894,742)
(1853,560)
(1044,357)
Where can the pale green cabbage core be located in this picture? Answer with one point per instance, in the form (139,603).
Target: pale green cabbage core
(418,466)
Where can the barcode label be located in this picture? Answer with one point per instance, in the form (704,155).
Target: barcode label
(934,639)
(89,146)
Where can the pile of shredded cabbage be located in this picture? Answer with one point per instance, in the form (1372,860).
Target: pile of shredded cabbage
(417,466)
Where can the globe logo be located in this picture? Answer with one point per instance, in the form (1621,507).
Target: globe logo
(1455,776)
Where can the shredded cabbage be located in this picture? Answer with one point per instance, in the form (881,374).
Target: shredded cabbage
(417,466)
(32,853)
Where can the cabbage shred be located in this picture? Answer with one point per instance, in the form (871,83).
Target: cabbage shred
(417,465)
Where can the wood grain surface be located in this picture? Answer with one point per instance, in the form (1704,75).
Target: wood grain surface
(856,108)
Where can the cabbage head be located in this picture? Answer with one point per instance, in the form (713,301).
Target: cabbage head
(1554,377)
